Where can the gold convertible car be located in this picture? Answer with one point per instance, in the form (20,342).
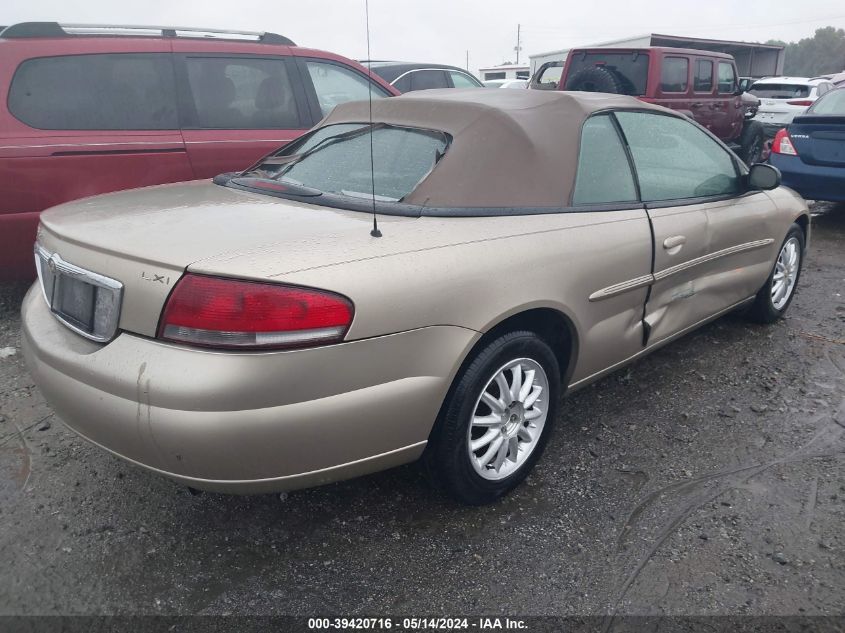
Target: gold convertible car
(257,333)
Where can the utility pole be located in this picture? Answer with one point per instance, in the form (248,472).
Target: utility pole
(518,42)
(467,61)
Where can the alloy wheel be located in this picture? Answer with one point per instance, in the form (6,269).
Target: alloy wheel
(508,419)
(786,273)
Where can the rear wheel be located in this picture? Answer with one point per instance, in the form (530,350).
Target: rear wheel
(496,420)
(776,294)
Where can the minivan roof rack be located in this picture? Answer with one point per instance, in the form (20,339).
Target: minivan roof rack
(54,29)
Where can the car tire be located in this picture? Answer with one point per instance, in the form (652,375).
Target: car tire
(509,439)
(595,79)
(752,142)
(768,306)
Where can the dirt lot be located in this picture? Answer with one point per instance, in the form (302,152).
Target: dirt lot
(706,479)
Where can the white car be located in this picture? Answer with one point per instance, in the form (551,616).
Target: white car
(506,83)
(784,98)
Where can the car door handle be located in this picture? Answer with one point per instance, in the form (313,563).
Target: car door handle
(673,244)
(697,104)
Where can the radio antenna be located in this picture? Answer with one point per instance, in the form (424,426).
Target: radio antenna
(375,232)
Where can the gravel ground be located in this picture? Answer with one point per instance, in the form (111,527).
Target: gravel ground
(705,479)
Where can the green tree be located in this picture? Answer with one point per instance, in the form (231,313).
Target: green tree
(822,54)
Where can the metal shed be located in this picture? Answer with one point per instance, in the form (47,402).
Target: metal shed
(752,59)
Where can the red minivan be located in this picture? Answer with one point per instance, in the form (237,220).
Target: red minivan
(87,110)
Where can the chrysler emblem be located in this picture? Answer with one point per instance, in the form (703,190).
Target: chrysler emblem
(52,263)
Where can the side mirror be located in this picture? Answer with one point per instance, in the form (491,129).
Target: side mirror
(763,177)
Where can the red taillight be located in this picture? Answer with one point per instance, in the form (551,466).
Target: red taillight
(782,144)
(228,313)
(801,102)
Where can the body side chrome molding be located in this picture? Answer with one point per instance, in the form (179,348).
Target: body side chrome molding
(645,280)
(625,286)
(733,250)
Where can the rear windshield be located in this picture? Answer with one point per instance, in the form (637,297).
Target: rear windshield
(629,71)
(336,159)
(779,91)
(832,103)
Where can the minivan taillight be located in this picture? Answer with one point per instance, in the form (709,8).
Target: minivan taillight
(235,314)
(782,144)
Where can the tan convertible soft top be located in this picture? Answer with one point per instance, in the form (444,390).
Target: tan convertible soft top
(510,148)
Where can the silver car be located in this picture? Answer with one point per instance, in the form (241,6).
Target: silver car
(420,280)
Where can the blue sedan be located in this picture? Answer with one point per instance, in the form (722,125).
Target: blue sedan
(810,153)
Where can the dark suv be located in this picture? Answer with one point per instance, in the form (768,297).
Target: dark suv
(87,110)
(410,76)
(701,84)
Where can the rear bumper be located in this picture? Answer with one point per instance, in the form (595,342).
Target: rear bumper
(241,422)
(813,182)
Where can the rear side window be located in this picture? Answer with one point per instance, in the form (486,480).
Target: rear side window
(428,79)
(335,84)
(462,80)
(675,159)
(779,91)
(703,76)
(96,92)
(604,174)
(727,78)
(336,159)
(674,74)
(242,93)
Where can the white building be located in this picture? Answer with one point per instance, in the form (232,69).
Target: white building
(505,71)
(752,60)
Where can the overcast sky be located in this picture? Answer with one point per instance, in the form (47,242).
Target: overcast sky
(444,30)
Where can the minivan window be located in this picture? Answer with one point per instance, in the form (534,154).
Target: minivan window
(675,159)
(629,69)
(335,84)
(339,162)
(727,78)
(674,74)
(604,174)
(240,93)
(124,91)
(703,76)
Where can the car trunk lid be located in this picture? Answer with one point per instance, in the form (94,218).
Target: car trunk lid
(819,140)
(146,238)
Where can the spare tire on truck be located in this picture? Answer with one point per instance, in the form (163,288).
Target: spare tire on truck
(597,79)
(752,143)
